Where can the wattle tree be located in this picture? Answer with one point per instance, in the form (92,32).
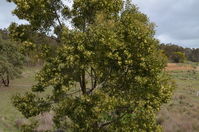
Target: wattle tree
(107,74)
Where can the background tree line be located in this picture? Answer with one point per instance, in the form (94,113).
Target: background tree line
(178,54)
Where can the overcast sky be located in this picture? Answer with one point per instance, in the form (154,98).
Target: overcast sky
(177,20)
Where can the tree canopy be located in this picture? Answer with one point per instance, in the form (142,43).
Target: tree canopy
(107,74)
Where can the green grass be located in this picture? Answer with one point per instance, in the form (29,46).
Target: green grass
(181,114)
(8,114)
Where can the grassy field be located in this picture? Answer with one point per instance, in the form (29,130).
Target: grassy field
(8,114)
(181,114)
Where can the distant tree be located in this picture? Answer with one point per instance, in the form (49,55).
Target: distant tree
(11,60)
(173,52)
(111,55)
(178,57)
(194,56)
(188,53)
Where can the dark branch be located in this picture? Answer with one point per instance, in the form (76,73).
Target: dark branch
(95,86)
(74,92)
(110,122)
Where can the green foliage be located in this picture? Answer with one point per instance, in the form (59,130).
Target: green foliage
(11,61)
(34,105)
(113,57)
(36,53)
(179,57)
(39,13)
(83,11)
(20,33)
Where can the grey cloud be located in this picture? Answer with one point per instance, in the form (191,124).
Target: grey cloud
(177,21)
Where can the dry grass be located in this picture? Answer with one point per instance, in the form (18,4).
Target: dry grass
(10,118)
(182,113)
(178,67)
(45,122)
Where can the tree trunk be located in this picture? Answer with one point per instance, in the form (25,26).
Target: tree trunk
(6,82)
(83,82)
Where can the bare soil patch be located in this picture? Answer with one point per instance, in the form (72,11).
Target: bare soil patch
(178,67)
